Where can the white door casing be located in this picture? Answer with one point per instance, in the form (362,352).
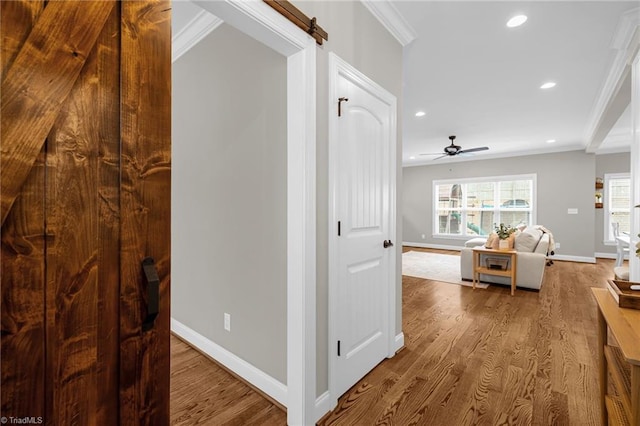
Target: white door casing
(362,169)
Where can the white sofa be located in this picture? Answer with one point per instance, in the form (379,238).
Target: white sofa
(532,260)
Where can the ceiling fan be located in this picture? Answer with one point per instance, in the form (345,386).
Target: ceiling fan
(453,149)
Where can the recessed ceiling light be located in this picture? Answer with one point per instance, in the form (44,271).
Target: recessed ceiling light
(420,114)
(412,158)
(551,140)
(516,21)
(548,85)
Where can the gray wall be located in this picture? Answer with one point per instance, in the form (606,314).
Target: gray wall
(564,180)
(358,38)
(610,163)
(229,196)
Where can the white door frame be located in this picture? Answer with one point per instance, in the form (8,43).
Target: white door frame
(337,67)
(264,24)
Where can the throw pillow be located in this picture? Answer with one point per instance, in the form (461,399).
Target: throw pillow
(528,240)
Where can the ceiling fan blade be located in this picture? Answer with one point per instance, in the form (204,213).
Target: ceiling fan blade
(480,148)
(432,153)
(445,155)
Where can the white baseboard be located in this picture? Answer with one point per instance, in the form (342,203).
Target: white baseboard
(399,341)
(258,378)
(324,404)
(432,246)
(583,259)
(602,255)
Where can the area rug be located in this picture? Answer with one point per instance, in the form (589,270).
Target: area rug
(434,266)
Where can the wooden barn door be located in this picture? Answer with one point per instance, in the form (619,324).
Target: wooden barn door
(85,197)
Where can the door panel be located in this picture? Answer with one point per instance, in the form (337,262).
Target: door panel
(81,221)
(363,144)
(363,164)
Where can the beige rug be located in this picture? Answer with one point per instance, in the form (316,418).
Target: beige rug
(434,266)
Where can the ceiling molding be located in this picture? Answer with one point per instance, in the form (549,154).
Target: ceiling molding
(392,20)
(197,29)
(626,43)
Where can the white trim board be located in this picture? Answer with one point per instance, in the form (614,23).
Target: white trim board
(603,255)
(569,258)
(258,378)
(324,404)
(197,29)
(399,340)
(563,257)
(432,246)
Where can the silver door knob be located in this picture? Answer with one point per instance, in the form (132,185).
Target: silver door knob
(387,243)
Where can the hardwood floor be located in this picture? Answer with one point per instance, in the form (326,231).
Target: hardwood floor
(478,357)
(203,393)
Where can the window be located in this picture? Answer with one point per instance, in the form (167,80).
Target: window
(470,207)
(617,204)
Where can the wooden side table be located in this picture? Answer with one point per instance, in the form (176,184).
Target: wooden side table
(619,362)
(479,269)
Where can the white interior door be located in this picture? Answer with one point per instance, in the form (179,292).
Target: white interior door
(364,205)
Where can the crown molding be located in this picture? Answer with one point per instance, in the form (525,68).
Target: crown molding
(626,42)
(197,29)
(392,20)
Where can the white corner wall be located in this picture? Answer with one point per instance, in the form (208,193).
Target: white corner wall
(229,202)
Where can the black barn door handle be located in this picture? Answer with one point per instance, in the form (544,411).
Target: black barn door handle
(153,290)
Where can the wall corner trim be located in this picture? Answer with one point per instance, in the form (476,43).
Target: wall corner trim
(197,29)
(392,20)
(258,378)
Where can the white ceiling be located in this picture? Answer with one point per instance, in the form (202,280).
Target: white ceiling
(479,80)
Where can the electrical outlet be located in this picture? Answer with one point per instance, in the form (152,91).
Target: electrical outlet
(227,321)
(557,245)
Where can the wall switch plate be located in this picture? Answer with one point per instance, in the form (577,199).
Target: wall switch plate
(557,245)
(227,321)
(572,211)
(423,236)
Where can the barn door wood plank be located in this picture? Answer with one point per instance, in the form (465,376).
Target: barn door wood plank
(145,203)
(108,125)
(22,348)
(22,269)
(82,199)
(16,21)
(38,82)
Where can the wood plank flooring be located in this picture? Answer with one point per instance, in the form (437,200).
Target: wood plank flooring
(478,357)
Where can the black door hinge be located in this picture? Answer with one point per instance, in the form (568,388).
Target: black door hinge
(338,347)
(338,228)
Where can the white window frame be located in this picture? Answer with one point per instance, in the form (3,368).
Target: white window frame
(608,230)
(495,179)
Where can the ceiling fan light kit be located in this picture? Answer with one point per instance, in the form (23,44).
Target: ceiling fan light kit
(453,149)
